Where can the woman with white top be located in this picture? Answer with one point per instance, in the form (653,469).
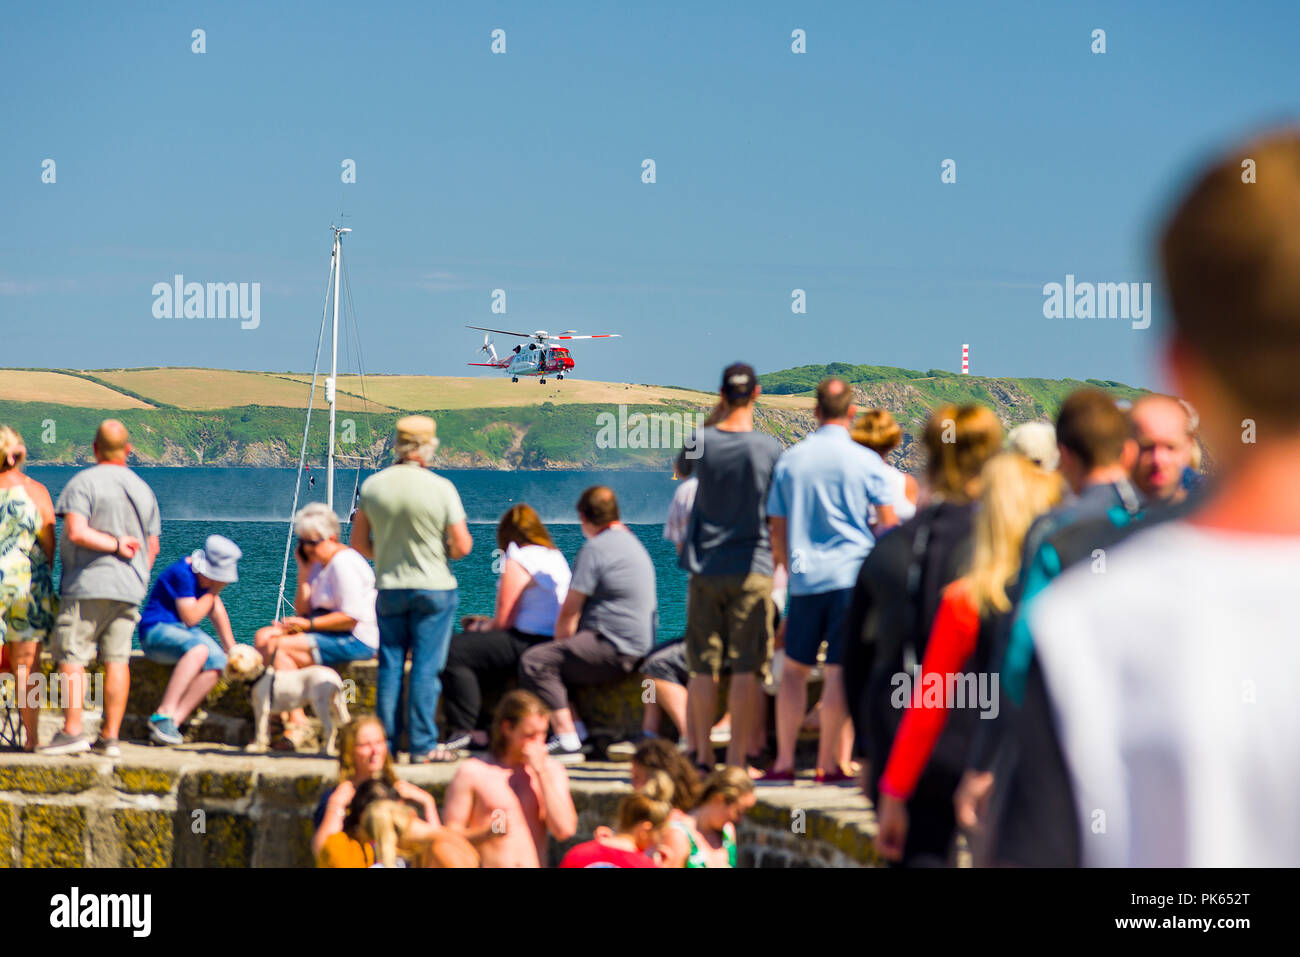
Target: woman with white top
(878,431)
(533,584)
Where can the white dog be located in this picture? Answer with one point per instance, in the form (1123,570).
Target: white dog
(275,691)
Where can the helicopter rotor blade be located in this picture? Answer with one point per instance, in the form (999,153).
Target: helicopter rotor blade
(504,332)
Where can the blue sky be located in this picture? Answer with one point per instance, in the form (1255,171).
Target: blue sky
(522,171)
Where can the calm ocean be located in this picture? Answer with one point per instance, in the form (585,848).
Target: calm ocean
(252,507)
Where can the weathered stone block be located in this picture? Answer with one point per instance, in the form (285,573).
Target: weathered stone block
(294,791)
(146,837)
(217,784)
(9,834)
(282,838)
(53,836)
(216,839)
(47,779)
(141,780)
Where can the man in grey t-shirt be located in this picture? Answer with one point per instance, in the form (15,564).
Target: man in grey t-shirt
(729,555)
(605,626)
(110,541)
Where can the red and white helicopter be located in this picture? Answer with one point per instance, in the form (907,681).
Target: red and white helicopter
(540,358)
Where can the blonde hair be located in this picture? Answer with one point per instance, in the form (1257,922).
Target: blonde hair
(877,430)
(731,784)
(651,802)
(1015,492)
(384,823)
(10,442)
(348,742)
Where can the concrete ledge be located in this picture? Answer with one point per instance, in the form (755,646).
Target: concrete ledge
(215,806)
(611,711)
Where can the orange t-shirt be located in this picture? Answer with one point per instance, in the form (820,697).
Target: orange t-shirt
(340,850)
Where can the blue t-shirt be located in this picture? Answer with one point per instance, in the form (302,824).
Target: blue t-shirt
(822,488)
(177,581)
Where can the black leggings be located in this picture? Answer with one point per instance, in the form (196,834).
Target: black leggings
(474,660)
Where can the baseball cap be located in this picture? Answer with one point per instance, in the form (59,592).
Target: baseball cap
(739,382)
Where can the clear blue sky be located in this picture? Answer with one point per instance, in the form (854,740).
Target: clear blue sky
(522,171)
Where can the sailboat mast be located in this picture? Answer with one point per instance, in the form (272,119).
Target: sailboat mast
(331,384)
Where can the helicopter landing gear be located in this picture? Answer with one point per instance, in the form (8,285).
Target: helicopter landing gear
(514,378)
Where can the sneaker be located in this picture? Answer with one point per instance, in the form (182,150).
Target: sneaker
(163,730)
(563,754)
(107,747)
(460,742)
(720,735)
(64,743)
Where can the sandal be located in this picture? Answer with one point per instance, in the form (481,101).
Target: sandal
(439,755)
(834,776)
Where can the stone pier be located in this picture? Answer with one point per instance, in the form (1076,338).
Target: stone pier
(207,805)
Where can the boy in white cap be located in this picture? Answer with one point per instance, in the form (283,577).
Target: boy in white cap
(186,592)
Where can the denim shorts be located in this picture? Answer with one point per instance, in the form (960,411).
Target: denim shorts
(338,648)
(167,642)
(814,619)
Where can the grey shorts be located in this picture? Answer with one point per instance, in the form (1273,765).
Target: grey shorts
(90,628)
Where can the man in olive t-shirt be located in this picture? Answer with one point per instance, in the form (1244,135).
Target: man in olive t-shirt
(411,522)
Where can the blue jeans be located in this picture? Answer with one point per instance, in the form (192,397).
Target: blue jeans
(167,642)
(415,621)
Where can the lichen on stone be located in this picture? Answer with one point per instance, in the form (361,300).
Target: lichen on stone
(139,780)
(146,837)
(53,836)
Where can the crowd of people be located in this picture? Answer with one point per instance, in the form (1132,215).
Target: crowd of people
(1064,642)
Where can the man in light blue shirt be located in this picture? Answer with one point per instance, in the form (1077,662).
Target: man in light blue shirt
(817,508)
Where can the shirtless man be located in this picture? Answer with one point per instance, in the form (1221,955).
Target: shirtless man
(506,804)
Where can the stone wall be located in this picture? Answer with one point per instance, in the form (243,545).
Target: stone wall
(216,807)
(611,711)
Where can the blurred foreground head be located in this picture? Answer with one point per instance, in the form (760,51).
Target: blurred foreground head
(958,441)
(1231,258)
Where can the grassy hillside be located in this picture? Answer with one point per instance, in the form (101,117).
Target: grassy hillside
(1033,398)
(222,417)
(541,436)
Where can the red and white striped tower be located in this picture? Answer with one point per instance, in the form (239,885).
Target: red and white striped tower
(965,359)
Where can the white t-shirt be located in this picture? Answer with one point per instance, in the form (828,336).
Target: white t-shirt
(679,510)
(347,584)
(540,602)
(1172,677)
(903,508)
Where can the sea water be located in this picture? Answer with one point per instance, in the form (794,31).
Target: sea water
(252,507)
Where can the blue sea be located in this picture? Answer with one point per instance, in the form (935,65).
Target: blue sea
(253,506)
